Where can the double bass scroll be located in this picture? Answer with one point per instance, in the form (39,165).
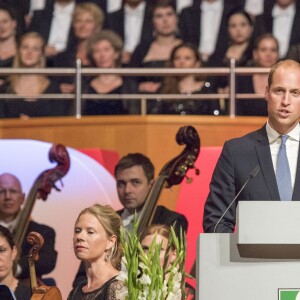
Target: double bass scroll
(172,173)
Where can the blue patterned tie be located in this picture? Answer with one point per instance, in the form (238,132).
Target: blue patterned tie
(283,174)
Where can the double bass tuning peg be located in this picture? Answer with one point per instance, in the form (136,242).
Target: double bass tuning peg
(197,171)
(188,179)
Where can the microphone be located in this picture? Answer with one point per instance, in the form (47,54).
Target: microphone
(251,176)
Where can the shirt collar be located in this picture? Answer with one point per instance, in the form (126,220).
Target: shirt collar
(211,6)
(69,8)
(278,11)
(273,135)
(138,10)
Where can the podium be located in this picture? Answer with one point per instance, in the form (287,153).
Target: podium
(257,262)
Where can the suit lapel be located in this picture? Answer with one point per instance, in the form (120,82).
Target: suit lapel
(295,28)
(265,161)
(296,192)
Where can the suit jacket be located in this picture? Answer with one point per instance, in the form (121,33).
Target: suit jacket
(190,31)
(264,24)
(238,158)
(116,22)
(47,254)
(42,20)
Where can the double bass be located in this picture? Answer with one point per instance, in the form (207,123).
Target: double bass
(40,189)
(172,173)
(39,292)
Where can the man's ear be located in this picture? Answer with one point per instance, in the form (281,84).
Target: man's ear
(267,93)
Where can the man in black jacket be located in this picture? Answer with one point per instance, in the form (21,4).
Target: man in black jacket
(135,176)
(11,200)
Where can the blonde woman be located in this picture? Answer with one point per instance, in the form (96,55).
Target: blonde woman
(31,55)
(96,242)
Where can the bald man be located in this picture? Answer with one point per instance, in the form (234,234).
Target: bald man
(11,200)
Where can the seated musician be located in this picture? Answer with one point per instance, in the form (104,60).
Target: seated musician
(97,244)
(134,175)
(8,255)
(11,200)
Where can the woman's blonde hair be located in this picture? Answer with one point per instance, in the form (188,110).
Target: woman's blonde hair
(93,9)
(17,63)
(111,223)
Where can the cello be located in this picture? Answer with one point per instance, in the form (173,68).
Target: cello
(172,173)
(39,292)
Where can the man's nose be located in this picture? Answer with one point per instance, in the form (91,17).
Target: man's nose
(7,194)
(286,98)
(128,187)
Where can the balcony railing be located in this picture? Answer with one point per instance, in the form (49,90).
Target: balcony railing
(79,72)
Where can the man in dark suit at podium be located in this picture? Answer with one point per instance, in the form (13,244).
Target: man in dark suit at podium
(274,149)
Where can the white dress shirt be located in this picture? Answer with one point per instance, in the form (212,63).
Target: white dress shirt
(292,148)
(36,5)
(60,25)
(254,7)
(282,26)
(210,25)
(113,5)
(134,19)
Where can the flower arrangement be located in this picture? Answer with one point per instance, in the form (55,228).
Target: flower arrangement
(143,276)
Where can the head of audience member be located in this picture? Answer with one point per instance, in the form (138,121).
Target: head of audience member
(105,49)
(134,175)
(31,51)
(11,197)
(97,236)
(283,96)
(164,18)
(88,18)
(185,55)
(284,3)
(161,235)
(8,257)
(266,51)
(8,23)
(240,27)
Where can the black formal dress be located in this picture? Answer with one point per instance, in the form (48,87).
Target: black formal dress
(14,108)
(249,107)
(106,292)
(104,107)
(191,107)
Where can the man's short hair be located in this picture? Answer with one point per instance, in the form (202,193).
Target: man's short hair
(136,159)
(282,63)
